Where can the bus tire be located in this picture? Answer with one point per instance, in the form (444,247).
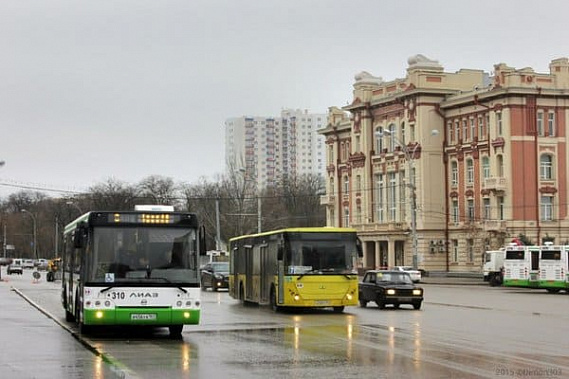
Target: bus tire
(69,316)
(176,331)
(338,309)
(241,293)
(274,305)
(553,290)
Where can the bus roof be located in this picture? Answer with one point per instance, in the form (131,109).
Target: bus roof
(317,229)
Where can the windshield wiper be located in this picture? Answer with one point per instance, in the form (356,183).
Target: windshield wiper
(170,282)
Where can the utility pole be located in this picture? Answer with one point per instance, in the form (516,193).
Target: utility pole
(218,233)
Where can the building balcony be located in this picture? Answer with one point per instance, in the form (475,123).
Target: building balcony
(494,225)
(495,184)
(327,199)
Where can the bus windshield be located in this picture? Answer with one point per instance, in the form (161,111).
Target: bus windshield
(319,254)
(142,254)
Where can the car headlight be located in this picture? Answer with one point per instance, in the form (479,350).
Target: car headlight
(417,292)
(391,291)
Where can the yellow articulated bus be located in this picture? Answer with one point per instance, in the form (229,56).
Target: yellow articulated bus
(296,267)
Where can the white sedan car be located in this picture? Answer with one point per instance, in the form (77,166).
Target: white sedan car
(414,274)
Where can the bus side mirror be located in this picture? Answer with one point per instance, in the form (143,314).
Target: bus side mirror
(79,236)
(359,248)
(201,240)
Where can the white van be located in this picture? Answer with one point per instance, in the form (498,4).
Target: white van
(15,267)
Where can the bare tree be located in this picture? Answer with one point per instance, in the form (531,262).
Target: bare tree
(158,190)
(301,198)
(113,195)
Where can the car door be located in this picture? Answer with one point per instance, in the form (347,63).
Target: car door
(369,286)
(207,275)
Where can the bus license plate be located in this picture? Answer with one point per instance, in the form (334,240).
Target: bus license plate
(321,302)
(143,316)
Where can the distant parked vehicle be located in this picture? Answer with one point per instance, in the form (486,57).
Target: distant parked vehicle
(42,264)
(16,267)
(414,274)
(28,263)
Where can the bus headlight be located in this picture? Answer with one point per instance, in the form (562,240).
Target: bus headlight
(296,297)
(186,314)
(99,314)
(391,291)
(349,296)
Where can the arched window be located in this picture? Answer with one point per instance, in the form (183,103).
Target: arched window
(454,173)
(546,166)
(392,137)
(485,167)
(469,171)
(379,140)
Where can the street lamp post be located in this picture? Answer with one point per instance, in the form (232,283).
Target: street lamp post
(75,205)
(410,157)
(35,231)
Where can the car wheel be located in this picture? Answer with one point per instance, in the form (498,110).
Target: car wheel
(380,304)
(396,305)
(417,305)
(363,303)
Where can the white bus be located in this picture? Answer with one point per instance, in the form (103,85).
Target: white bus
(521,266)
(553,267)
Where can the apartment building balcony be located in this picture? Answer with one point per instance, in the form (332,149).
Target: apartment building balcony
(497,183)
(494,225)
(393,227)
(327,199)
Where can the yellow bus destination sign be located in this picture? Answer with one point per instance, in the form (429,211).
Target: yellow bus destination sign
(144,218)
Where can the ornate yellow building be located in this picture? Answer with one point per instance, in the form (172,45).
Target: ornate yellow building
(435,168)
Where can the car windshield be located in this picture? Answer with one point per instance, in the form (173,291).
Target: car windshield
(396,277)
(220,267)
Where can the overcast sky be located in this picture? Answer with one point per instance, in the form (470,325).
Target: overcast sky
(125,89)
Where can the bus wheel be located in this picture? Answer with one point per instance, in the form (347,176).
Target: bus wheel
(69,316)
(339,309)
(176,331)
(553,290)
(274,305)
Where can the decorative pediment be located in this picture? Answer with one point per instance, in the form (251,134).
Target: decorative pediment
(357,159)
(498,142)
(453,194)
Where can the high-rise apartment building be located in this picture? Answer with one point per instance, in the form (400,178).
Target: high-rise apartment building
(267,149)
(435,168)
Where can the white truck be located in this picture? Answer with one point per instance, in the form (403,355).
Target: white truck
(493,268)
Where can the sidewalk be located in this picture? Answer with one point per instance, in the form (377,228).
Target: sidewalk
(455,281)
(34,346)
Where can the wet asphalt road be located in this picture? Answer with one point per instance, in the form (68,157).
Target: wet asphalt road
(461,331)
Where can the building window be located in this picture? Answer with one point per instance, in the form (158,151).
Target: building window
(546,208)
(346,184)
(379,201)
(540,123)
(472,128)
(485,167)
(392,137)
(450,133)
(455,215)
(403,133)
(465,136)
(454,247)
(546,167)
(379,140)
(392,197)
(457,130)
(454,174)
(359,214)
(357,144)
(481,131)
(500,165)
(346,221)
(470,250)
(499,130)
(470,209)
(469,171)
(500,200)
(551,124)
(486,204)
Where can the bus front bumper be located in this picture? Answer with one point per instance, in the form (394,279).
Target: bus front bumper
(141,316)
